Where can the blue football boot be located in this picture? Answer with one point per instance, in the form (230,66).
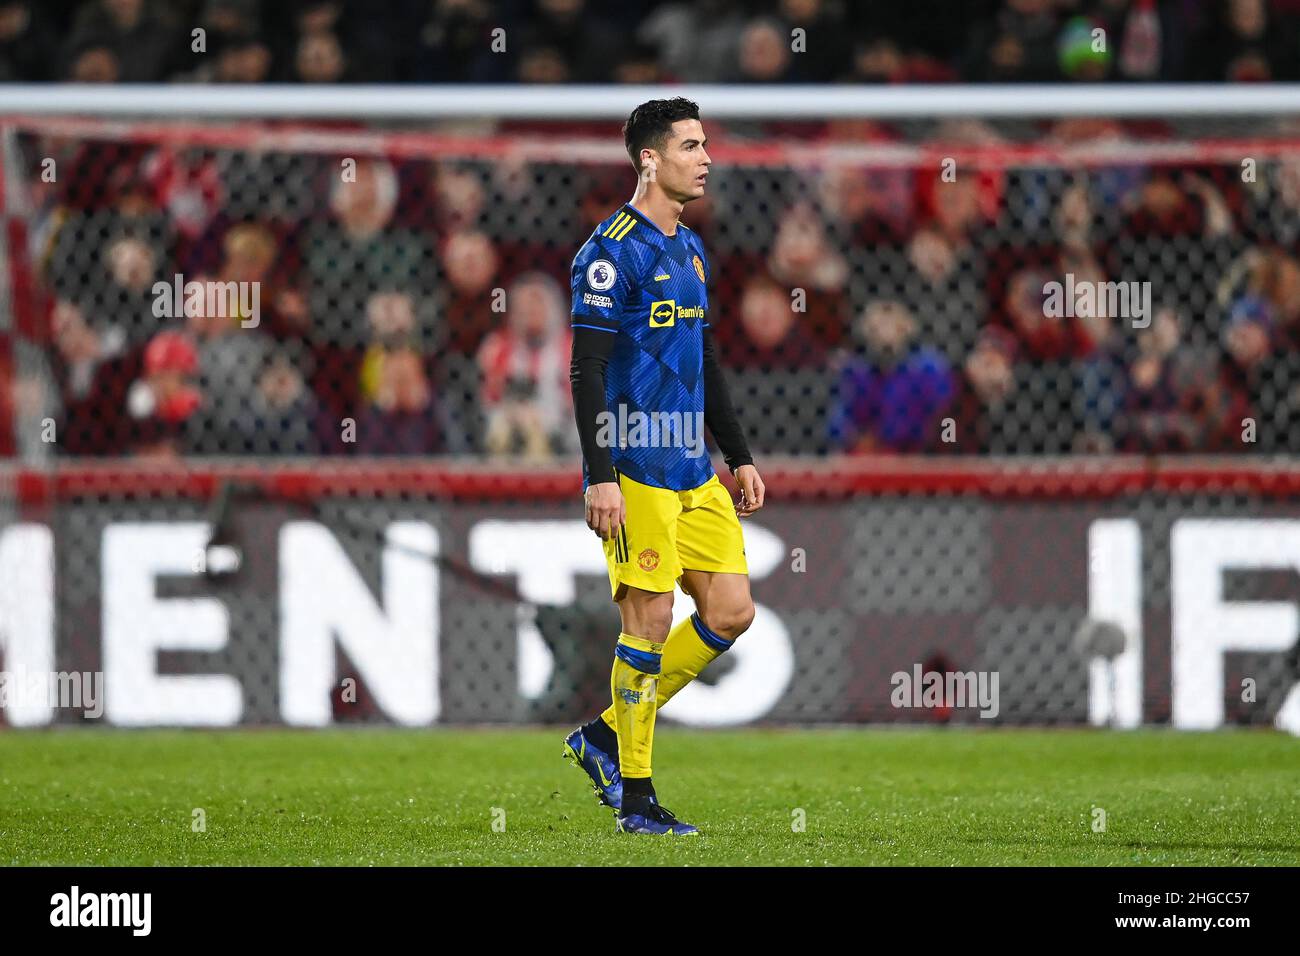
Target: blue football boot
(598,765)
(650,817)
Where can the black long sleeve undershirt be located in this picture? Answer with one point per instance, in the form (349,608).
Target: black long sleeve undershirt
(719,414)
(591,348)
(590,357)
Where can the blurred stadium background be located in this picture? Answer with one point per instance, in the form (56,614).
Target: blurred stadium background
(360,503)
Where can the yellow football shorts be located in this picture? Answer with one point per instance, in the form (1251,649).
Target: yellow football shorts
(667,531)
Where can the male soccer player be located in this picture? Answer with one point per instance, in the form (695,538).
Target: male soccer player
(645,380)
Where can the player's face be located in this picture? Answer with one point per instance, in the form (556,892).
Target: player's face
(683,166)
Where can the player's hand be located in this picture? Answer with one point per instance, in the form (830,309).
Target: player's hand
(606,510)
(751,490)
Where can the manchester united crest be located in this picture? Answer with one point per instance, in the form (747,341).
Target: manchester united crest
(699,268)
(648,559)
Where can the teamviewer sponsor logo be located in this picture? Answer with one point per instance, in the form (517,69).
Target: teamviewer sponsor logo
(74,908)
(663,313)
(946,689)
(638,429)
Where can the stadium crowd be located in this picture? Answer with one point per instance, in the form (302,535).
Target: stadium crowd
(647,41)
(423,308)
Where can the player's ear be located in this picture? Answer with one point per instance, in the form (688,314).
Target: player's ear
(649,164)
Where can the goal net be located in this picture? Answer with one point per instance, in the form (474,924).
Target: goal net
(285,413)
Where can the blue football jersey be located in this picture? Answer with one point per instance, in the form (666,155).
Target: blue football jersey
(648,289)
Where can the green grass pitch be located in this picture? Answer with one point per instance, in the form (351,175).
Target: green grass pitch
(871,796)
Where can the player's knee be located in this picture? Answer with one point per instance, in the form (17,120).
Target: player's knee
(731,621)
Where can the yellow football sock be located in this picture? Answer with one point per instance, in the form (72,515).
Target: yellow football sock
(689,648)
(633,683)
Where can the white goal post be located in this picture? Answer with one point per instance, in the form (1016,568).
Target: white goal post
(610,102)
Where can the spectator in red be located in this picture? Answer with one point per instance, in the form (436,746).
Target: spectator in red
(1043,334)
(981,188)
(1162,210)
(471,267)
(114,214)
(94,369)
(961,209)
(777,373)
(126,302)
(869,207)
(525,369)
(1252,404)
(163,401)
(1017,277)
(803,258)
(461,199)
(772,339)
(984,416)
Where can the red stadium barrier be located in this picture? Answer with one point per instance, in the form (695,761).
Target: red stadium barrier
(787,479)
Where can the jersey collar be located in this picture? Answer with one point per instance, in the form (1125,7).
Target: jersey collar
(647,220)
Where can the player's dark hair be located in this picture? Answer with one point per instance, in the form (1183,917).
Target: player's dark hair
(651,123)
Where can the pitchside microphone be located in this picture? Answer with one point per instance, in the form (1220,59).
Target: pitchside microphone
(223,556)
(1104,639)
